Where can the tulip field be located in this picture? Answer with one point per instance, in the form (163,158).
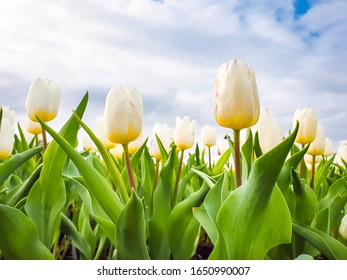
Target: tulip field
(267,196)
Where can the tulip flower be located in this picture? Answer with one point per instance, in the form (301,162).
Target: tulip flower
(123,120)
(117,151)
(33,127)
(307,119)
(184,135)
(6,138)
(184,138)
(43,100)
(343,227)
(223,146)
(341,153)
(87,143)
(329,148)
(317,147)
(165,134)
(7,113)
(270,132)
(123,115)
(209,139)
(100,133)
(136,144)
(236,102)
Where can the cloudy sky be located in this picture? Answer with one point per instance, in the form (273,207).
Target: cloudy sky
(170,51)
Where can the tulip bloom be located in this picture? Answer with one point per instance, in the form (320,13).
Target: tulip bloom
(317,147)
(307,119)
(117,151)
(6,138)
(270,132)
(136,144)
(100,133)
(343,227)
(33,127)
(7,113)
(342,152)
(165,135)
(43,100)
(123,115)
(184,135)
(236,101)
(209,135)
(329,148)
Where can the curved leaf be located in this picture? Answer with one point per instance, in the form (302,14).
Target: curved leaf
(19,239)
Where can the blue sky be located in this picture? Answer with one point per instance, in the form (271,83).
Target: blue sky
(170,52)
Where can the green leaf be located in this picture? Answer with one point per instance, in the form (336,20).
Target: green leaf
(96,183)
(327,245)
(247,155)
(255,217)
(19,239)
(131,231)
(77,240)
(183,227)
(158,242)
(219,167)
(10,165)
(114,172)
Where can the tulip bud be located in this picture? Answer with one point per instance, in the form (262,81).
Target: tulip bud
(342,150)
(136,144)
(33,127)
(43,100)
(329,148)
(87,143)
(184,135)
(117,151)
(164,133)
(317,147)
(123,115)
(7,113)
(307,119)
(236,101)
(100,133)
(343,227)
(270,133)
(6,138)
(309,159)
(209,135)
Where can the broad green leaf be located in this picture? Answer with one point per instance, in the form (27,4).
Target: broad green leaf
(9,166)
(77,240)
(114,172)
(331,207)
(131,231)
(105,223)
(327,245)
(247,155)
(283,180)
(45,206)
(222,161)
(97,184)
(183,227)
(255,217)
(304,257)
(19,239)
(158,242)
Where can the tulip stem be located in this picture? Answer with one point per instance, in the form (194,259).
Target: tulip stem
(128,165)
(178,176)
(237,157)
(44,139)
(302,164)
(313,171)
(209,157)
